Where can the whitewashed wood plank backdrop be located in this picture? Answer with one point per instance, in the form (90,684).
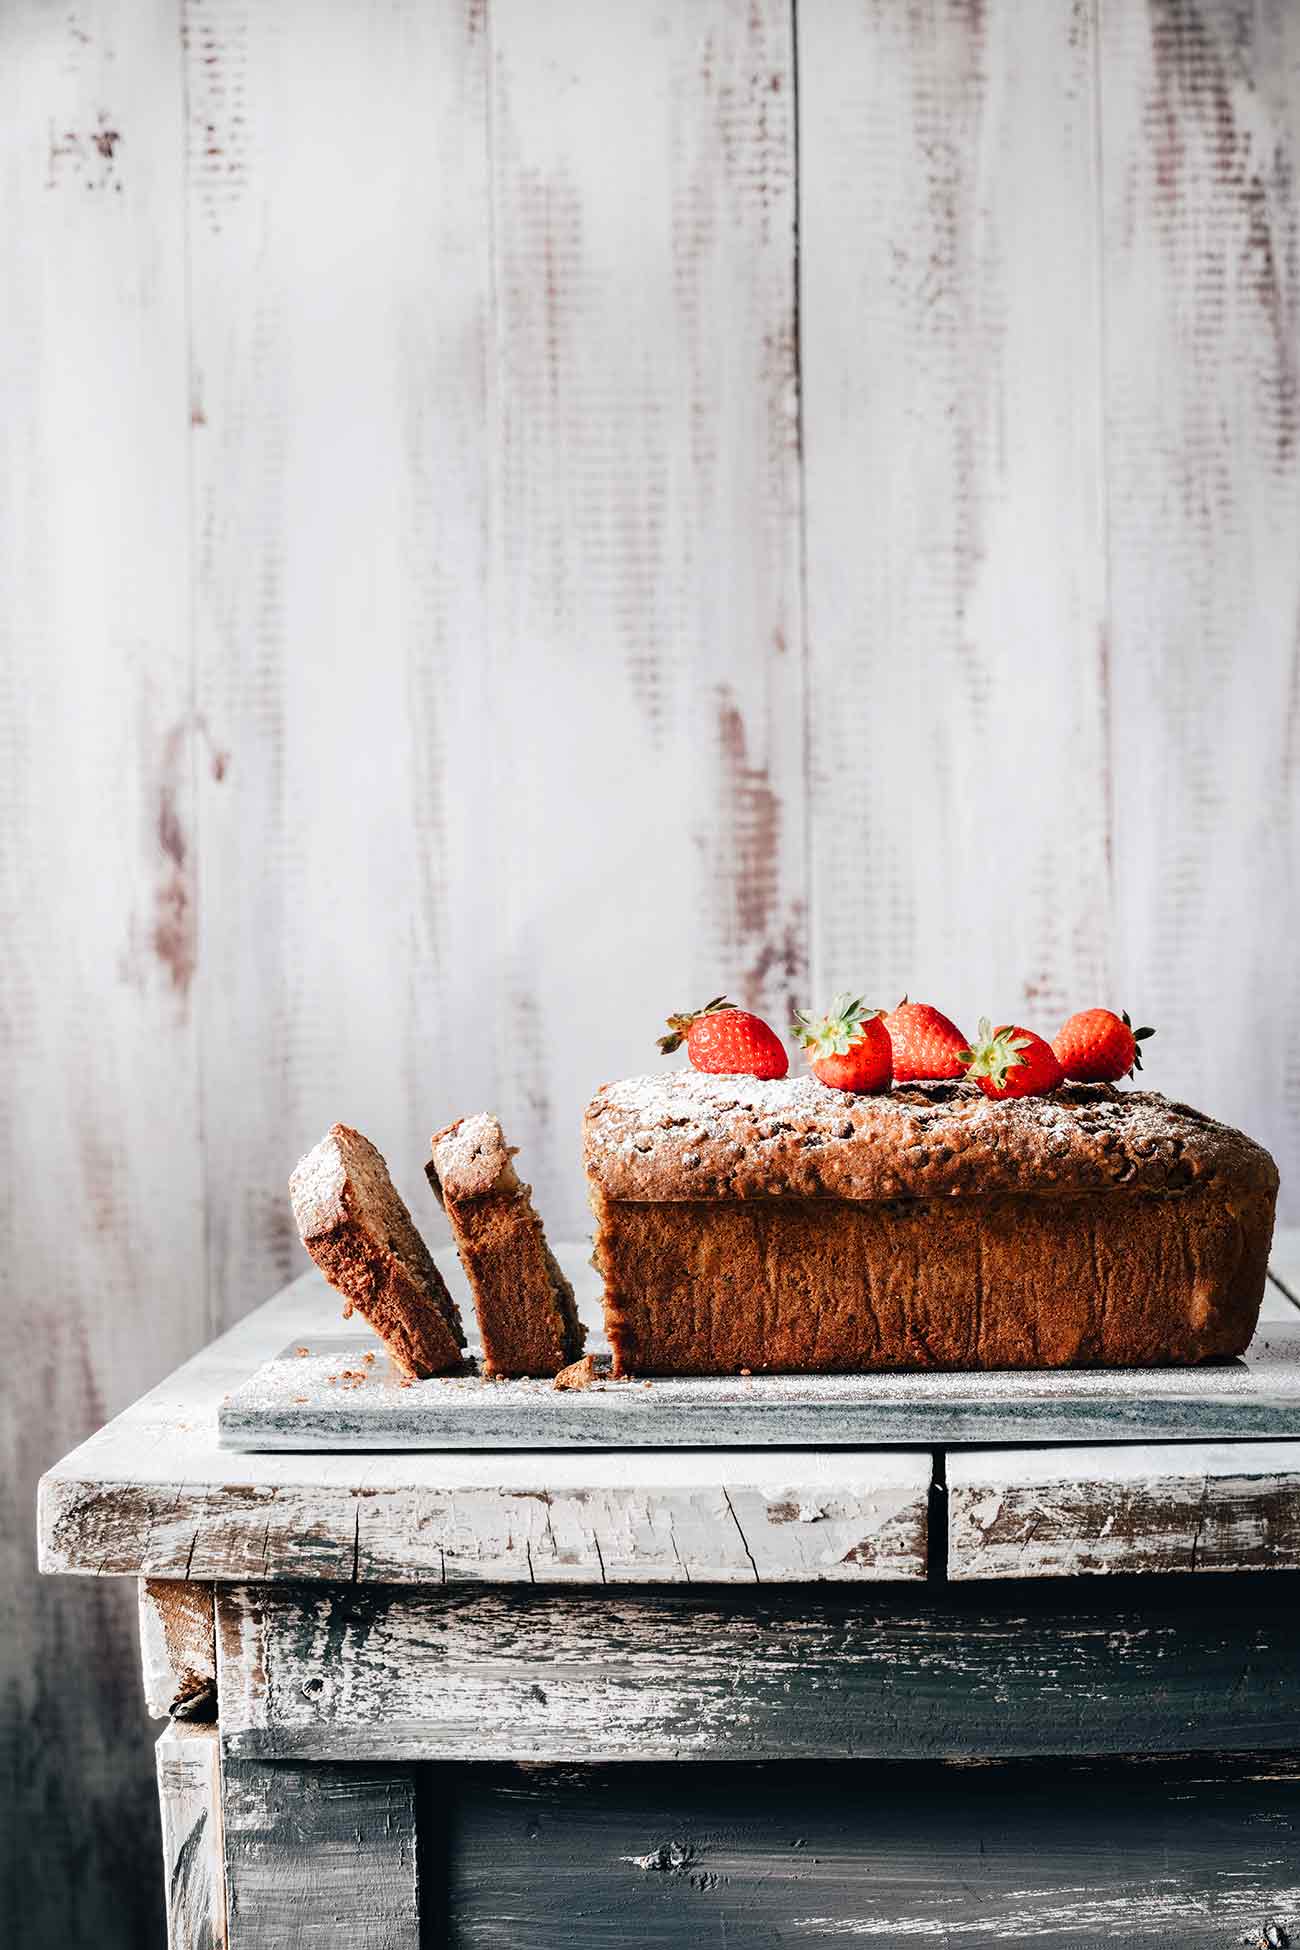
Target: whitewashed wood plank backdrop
(514,518)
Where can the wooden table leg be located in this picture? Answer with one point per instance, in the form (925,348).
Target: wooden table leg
(318,1854)
(189,1799)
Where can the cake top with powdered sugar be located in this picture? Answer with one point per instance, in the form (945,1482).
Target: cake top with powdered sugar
(684,1134)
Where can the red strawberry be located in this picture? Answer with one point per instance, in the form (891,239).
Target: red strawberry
(726,1041)
(1011,1062)
(848,1048)
(926,1043)
(1097,1046)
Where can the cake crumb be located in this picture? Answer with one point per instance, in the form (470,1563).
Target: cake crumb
(302,1350)
(578,1374)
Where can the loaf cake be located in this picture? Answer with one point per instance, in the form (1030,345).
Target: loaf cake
(786,1227)
(354,1223)
(524,1304)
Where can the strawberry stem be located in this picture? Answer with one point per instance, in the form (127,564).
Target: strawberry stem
(839,1030)
(993,1056)
(679,1025)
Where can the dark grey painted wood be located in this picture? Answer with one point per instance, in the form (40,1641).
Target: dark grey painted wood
(374,1673)
(320,1856)
(749,1857)
(293,1403)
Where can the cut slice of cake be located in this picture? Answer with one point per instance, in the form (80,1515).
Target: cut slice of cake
(353,1222)
(525,1307)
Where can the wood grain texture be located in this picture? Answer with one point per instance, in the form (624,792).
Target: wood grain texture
(100,1186)
(320,1856)
(189,1799)
(955,561)
(759,1856)
(405,1675)
(152,1495)
(646,754)
(1057,1513)
(1200,132)
(178,1650)
(339,322)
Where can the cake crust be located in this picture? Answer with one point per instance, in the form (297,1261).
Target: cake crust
(784,1227)
(687,1136)
(524,1303)
(355,1224)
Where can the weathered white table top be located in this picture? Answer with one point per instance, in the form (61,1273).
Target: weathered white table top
(153,1494)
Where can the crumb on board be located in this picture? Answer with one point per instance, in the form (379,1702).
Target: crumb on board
(578,1374)
(302,1350)
(368,1359)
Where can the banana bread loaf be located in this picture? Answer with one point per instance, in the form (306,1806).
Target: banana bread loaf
(785,1227)
(524,1303)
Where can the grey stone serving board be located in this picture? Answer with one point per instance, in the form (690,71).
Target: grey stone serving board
(312,1400)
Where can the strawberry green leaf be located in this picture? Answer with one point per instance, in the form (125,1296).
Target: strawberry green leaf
(993,1056)
(838,1031)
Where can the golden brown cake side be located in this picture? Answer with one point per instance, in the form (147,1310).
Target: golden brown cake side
(355,1224)
(1109,1230)
(525,1306)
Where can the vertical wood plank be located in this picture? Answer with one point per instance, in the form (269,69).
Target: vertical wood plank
(320,1855)
(645,749)
(100,1209)
(1201,119)
(189,1798)
(339,287)
(959,747)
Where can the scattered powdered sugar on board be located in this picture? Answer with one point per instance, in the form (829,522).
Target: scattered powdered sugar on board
(291,1402)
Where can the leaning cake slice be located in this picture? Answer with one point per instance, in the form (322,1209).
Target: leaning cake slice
(524,1303)
(353,1222)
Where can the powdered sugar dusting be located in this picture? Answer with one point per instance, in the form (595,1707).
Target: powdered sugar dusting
(316,1187)
(460,1147)
(679,1093)
(685,1134)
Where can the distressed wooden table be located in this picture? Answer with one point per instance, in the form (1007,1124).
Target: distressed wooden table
(402,1688)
